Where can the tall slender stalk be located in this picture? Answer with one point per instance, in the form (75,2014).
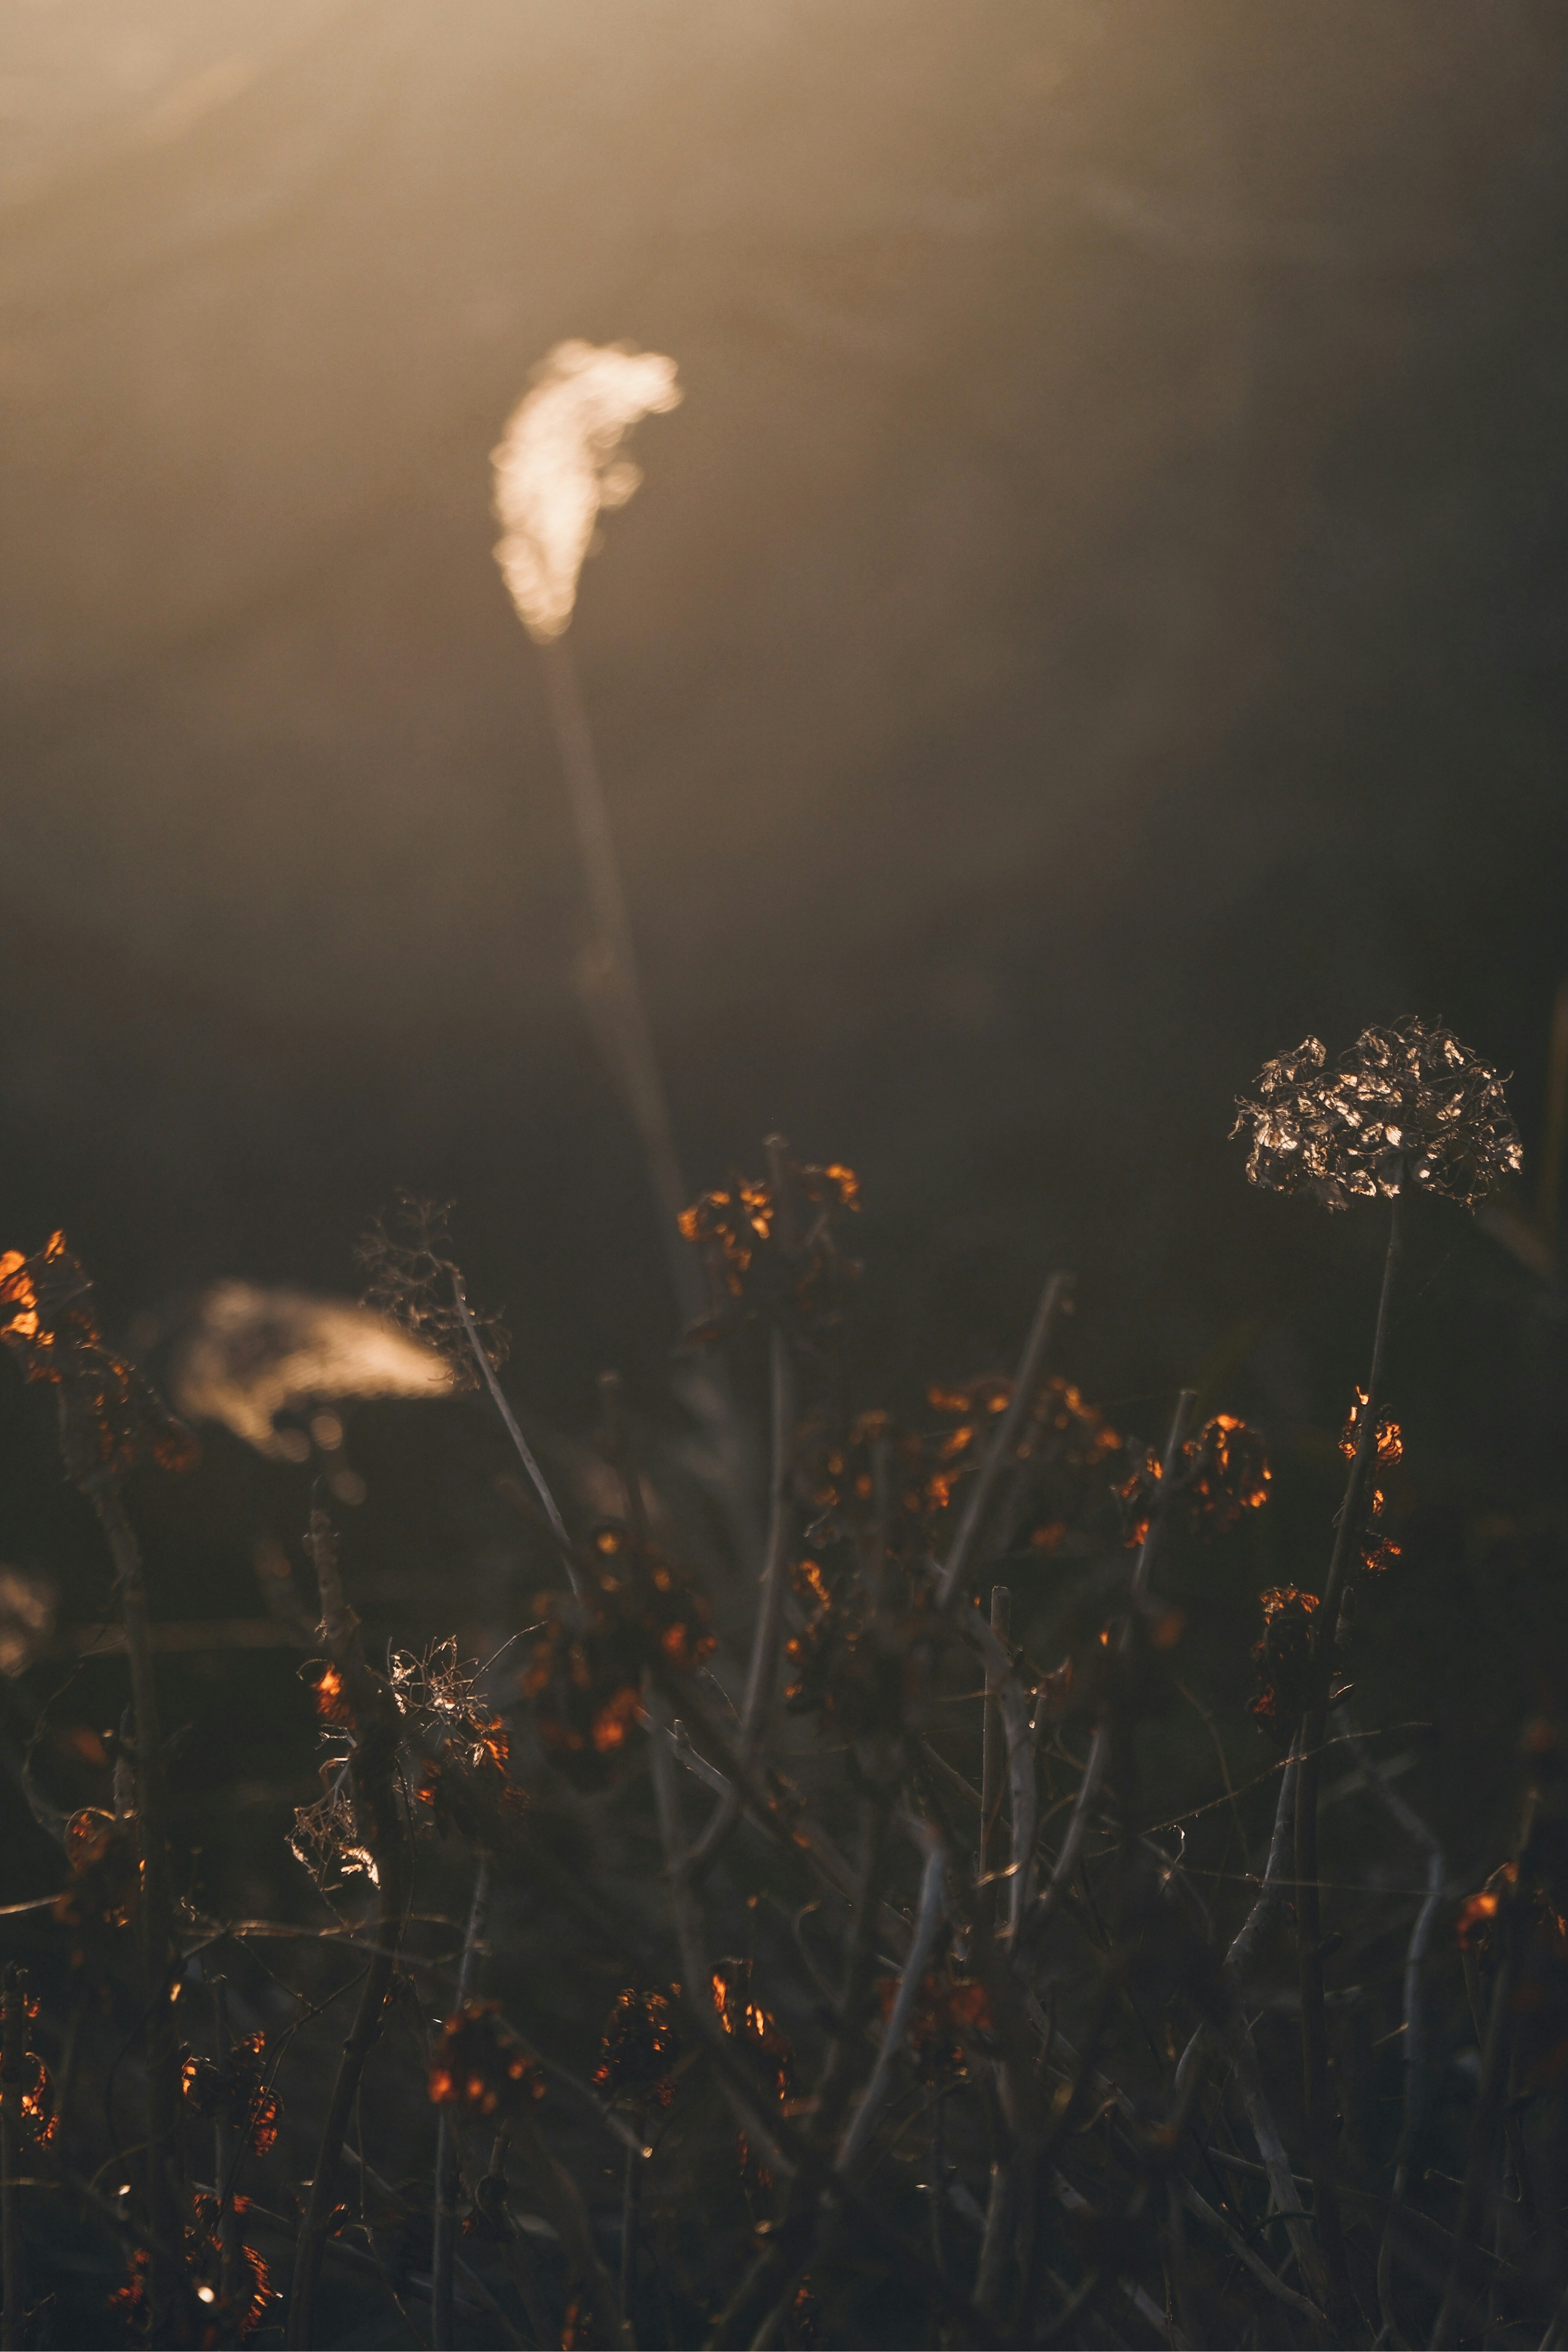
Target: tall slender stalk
(445,2227)
(13,2081)
(1054,1298)
(225,2139)
(992,1763)
(155,1919)
(1309,1919)
(371,1761)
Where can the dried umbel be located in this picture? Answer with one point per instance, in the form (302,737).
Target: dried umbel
(1408,1104)
(480,2067)
(111,1418)
(412,1278)
(638,2050)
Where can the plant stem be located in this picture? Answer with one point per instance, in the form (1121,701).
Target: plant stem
(376,1726)
(155,1915)
(928,1920)
(1099,1746)
(1309,1919)
(13,2081)
(761,1670)
(225,2165)
(992,1762)
(618,982)
(1491,2095)
(1053,1299)
(444,2226)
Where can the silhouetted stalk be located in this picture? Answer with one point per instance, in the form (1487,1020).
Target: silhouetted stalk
(772,2131)
(1099,1746)
(639,1070)
(1234,2037)
(992,1762)
(165,2215)
(524,1451)
(1309,1919)
(928,1922)
(762,1667)
(225,2151)
(444,2226)
(13,2081)
(1496,2055)
(376,1726)
(1003,1446)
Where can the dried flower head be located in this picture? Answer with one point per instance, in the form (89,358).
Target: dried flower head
(767,1255)
(1375,1551)
(1222,1473)
(638,2049)
(1281,1659)
(414,1281)
(103,1885)
(479,2066)
(325,1839)
(557,468)
(950,2018)
(762,2041)
(238,2090)
(584,1677)
(1404,1104)
(112,1418)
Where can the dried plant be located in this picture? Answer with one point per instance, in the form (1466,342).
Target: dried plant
(1408,1104)
(912,2006)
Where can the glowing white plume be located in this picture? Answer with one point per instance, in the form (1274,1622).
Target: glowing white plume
(556,467)
(252,1354)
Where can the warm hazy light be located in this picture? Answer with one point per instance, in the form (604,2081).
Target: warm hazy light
(252,1354)
(557,468)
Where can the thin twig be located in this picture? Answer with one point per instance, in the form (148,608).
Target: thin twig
(377,1726)
(1099,1746)
(1309,1919)
(1026,1381)
(928,1921)
(13,2081)
(446,2218)
(524,1451)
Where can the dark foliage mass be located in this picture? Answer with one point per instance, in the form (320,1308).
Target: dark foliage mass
(854,1943)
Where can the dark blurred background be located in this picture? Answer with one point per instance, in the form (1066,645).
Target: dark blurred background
(1101,612)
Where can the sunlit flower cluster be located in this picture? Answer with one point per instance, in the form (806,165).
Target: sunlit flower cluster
(1408,1104)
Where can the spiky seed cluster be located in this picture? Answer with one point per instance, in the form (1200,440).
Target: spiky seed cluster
(1408,1104)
